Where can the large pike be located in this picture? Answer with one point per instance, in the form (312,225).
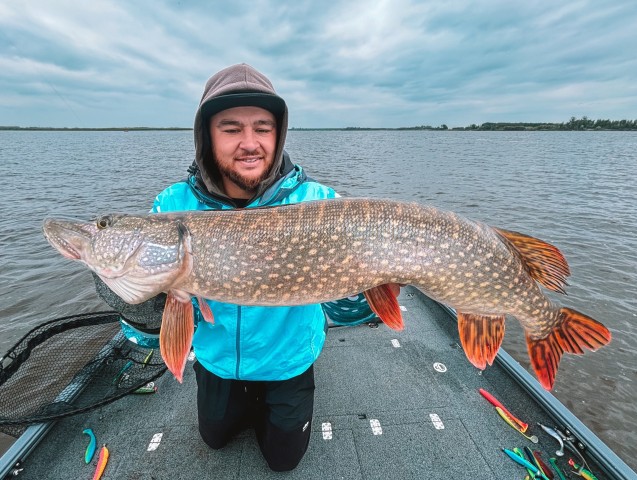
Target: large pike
(320,251)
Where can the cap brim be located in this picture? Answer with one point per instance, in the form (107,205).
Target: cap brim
(272,103)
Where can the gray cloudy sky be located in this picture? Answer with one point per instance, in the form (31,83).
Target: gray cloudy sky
(353,63)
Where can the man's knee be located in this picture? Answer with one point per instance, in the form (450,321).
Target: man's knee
(215,438)
(283,450)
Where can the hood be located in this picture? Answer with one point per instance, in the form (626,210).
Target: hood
(236,86)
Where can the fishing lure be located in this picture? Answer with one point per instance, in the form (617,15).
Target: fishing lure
(119,376)
(520,454)
(147,359)
(581,471)
(522,461)
(559,472)
(90,449)
(556,436)
(496,403)
(539,463)
(101,463)
(568,443)
(506,418)
(150,387)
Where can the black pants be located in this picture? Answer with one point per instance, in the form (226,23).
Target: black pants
(279,411)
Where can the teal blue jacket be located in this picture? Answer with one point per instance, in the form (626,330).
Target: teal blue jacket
(247,342)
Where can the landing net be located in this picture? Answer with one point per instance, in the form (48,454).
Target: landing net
(68,366)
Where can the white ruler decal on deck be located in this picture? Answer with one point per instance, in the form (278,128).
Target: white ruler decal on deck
(395,343)
(327,431)
(376,428)
(154,442)
(435,419)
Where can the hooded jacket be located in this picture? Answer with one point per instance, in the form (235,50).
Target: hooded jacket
(248,342)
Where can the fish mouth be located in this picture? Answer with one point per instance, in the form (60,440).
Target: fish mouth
(66,236)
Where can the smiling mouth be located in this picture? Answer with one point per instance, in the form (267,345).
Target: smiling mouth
(250,160)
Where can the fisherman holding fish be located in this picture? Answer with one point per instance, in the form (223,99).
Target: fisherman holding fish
(270,269)
(254,364)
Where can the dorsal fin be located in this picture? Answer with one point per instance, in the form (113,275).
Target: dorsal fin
(544,262)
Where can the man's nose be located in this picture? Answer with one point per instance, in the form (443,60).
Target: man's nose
(249,140)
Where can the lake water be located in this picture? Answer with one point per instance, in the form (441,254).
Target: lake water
(577,190)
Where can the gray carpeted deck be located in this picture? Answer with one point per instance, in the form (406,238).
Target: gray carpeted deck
(377,398)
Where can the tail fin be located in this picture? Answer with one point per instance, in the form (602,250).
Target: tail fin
(574,333)
(175,336)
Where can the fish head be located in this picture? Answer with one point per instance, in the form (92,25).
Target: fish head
(138,257)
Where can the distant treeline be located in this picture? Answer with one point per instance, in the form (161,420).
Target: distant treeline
(98,129)
(583,123)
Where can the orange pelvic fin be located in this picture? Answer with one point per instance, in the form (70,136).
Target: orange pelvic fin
(480,336)
(204,308)
(575,333)
(383,302)
(175,336)
(545,262)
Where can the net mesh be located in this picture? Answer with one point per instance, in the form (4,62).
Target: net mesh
(68,366)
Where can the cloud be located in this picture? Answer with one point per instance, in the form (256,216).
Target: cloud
(385,63)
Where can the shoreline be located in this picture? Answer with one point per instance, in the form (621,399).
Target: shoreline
(328,129)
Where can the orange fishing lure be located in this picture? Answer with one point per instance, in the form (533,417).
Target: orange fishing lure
(101,463)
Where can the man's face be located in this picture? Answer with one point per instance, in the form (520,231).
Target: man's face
(243,145)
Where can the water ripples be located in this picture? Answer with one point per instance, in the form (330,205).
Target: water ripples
(573,189)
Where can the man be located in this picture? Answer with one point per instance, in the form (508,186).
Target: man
(254,364)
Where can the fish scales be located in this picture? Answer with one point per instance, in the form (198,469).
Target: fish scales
(319,251)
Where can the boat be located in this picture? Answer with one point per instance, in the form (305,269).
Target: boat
(388,404)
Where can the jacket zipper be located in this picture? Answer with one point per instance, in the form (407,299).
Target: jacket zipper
(238,345)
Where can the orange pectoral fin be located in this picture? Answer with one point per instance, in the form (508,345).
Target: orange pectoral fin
(481,337)
(175,336)
(574,333)
(204,308)
(383,302)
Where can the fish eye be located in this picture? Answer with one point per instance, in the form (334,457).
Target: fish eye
(104,222)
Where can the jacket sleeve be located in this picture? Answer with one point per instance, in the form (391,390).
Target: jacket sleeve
(145,316)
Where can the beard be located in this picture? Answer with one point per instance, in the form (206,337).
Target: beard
(248,184)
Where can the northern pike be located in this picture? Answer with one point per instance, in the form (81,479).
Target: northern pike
(320,251)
